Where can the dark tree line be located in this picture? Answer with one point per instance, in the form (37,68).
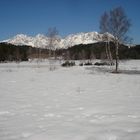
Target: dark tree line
(98,51)
(9,52)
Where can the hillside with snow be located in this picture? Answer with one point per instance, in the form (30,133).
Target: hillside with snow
(42,41)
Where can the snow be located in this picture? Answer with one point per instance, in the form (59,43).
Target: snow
(41,41)
(76,103)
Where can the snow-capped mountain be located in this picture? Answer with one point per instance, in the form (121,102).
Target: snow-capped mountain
(42,41)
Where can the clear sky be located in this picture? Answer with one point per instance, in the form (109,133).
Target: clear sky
(68,16)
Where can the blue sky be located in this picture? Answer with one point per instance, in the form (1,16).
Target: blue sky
(68,16)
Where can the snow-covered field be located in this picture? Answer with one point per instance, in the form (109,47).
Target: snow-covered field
(76,103)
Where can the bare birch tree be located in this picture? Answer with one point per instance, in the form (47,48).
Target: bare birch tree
(118,25)
(104,30)
(52,36)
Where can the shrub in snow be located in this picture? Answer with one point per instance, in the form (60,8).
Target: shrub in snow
(88,63)
(81,64)
(68,64)
(104,63)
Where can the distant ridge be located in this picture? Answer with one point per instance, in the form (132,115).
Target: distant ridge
(41,41)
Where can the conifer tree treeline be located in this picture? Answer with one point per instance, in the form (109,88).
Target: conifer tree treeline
(9,52)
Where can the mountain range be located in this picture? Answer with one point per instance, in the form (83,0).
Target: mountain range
(42,41)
